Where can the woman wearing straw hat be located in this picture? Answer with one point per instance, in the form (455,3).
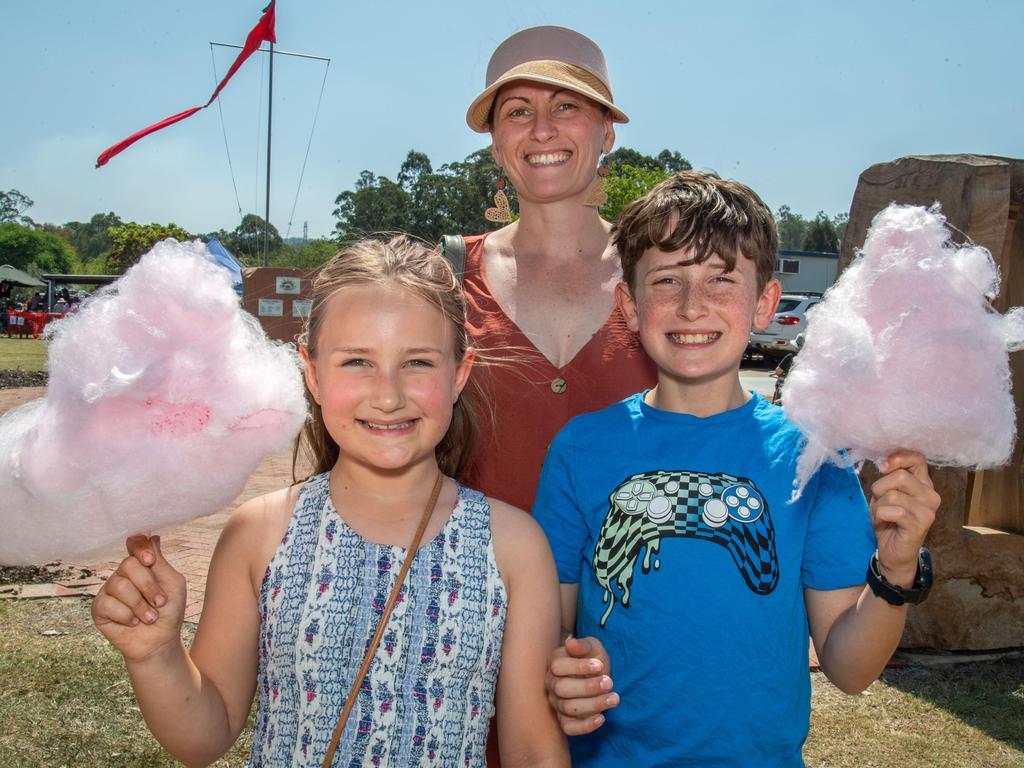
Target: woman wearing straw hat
(544,284)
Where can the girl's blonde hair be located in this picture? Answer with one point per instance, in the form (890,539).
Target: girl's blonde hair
(404,263)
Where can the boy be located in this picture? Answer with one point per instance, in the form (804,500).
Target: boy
(682,560)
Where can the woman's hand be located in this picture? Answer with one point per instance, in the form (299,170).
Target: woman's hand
(141,606)
(903,506)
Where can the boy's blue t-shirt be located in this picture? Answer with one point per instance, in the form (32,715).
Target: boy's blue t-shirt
(691,564)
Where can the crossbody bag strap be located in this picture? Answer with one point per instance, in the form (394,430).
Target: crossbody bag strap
(372,649)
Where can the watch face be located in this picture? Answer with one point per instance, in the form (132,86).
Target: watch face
(925,575)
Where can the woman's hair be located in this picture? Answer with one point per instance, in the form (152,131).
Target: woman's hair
(403,263)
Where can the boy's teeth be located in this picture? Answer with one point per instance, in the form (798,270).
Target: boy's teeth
(694,338)
(548,158)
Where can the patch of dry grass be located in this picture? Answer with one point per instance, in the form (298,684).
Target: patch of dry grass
(957,716)
(65,701)
(65,698)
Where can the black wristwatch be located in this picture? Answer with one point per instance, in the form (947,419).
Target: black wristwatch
(898,595)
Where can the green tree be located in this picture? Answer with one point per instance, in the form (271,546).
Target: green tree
(839,221)
(309,255)
(669,161)
(626,184)
(672,161)
(129,241)
(416,165)
(792,227)
(821,235)
(453,199)
(377,204)
(477,175)
(13,205)
(246,240)
(627,156)
(91,239)
(33,251)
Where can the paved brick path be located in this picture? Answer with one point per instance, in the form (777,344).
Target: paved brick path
(188,547)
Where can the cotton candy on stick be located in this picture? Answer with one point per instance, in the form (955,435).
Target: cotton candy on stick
(163,398)
(905,351)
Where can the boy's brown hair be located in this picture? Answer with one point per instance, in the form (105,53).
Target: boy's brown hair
(709,214)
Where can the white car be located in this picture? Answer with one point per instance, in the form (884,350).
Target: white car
(790,320)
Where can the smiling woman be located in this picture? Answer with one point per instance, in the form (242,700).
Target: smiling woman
(544,284)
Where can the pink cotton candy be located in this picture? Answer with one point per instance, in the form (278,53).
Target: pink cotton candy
(163,398)
(906,352)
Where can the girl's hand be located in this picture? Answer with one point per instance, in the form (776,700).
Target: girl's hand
(903,506)
(141,606)
(578,685)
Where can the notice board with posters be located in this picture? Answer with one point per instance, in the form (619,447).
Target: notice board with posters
(279,298)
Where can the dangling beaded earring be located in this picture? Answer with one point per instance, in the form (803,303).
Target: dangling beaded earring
(596,192)
(501,212)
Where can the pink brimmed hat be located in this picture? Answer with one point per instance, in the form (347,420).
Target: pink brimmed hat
(552,55)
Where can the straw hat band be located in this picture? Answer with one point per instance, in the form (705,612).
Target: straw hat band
(574,77)
(549,72)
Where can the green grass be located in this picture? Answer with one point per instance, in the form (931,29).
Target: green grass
(65,701)
(65,698)
(22,354)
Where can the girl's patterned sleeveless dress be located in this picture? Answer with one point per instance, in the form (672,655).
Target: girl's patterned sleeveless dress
(429,695)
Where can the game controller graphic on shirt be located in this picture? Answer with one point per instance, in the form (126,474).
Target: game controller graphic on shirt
(651,506)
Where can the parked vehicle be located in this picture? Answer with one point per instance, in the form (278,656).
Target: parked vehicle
(790,320)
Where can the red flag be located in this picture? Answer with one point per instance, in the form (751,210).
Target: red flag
(263,31)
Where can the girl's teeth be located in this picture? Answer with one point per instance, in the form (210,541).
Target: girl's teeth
(402,425)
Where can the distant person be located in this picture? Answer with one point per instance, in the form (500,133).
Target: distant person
(689,571)
(37,303)
(5,299)
(60,306)
(782,369)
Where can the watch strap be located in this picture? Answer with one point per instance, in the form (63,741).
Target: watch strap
(895,595)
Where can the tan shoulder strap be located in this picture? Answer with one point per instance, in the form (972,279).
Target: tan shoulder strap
(410,555)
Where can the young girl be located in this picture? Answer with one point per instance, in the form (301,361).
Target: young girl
(300,578)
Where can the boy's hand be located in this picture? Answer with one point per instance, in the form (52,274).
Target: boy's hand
(141,606)
(579,687)
(903,506)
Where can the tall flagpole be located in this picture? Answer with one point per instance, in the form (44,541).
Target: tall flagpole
(270,107)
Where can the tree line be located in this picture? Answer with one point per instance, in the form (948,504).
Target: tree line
(421,200)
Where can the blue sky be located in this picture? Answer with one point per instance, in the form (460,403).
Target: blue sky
(793,98)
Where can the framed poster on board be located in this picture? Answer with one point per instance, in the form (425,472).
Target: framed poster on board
(271,308)
(289,285)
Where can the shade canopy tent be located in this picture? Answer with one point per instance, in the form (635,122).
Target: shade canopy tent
(221,257)
(15,276)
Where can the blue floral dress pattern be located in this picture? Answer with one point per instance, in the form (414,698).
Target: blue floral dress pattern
(429,695)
